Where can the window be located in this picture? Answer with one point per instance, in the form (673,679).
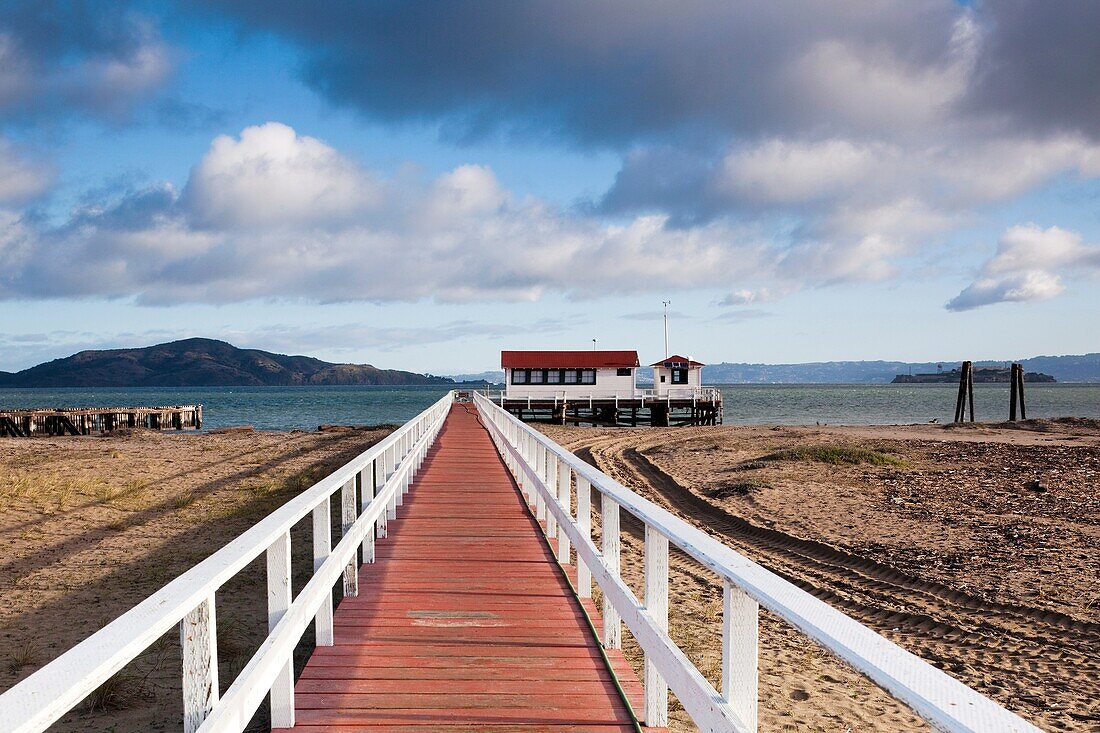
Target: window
(622,372)
(570,376)
(679,376)
(588,376)
(537,376)
(553,376)
(662,379)
(519,376)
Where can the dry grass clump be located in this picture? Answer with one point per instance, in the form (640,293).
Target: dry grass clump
(120,691)
(836,455)
(15,486)
(24,656)
(737,488)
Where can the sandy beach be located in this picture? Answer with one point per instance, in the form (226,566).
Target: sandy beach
(91,526)
(975,548)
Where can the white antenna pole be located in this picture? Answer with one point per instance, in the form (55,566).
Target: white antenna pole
(593,344)
(666,304)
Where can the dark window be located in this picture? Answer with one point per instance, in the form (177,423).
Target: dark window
(588,376)
(519,376)
(538,376)
(570,376)
(621,372)
(662,379)
(679,376)
(553,376)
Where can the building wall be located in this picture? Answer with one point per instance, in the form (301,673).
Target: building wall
(608,384)
(695,380)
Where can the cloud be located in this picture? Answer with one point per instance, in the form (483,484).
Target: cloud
(274,214)
(655,315)
(271,177)
(746,297)
(785,172)
(614,72)
(58,57)
(855,136)
(1039,66)
(742,315)
(620,73)
(20,179)
(1018,288)
(1028,266)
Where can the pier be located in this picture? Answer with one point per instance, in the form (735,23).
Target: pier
(459,596)
(97,420)
(701,406)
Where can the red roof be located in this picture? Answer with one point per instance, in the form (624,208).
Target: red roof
(568,359)
(678,358)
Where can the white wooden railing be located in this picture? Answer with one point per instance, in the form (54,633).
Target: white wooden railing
(380,476)
(545,471)
(701,394)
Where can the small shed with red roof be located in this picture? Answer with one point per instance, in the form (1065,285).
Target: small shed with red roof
(675,374)
(570,374)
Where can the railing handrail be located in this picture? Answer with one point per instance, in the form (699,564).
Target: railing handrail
(248,690)
(937,697)
(47,694)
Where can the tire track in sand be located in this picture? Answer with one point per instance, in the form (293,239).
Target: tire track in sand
(1006,650)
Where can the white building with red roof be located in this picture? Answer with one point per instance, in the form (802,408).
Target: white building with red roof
(568,375)
(677,376)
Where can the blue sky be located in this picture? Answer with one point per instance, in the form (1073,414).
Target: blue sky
(418,186)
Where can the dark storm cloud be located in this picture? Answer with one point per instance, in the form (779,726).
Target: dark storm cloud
(594,73)
(60,56)
(1041,64)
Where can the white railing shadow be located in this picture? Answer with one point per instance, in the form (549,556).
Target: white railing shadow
(545,472)
(371,487)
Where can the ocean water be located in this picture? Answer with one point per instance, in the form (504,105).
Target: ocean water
(889,404)
(285,408)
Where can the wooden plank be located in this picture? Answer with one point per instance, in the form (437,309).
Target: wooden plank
(470,622)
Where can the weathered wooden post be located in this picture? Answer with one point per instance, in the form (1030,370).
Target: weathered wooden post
(966,392)
(1012,393)
(970,387)
(1020,390)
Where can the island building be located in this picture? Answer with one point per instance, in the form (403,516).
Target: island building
(600,388)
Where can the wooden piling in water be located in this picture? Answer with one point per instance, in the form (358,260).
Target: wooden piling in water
(966,392)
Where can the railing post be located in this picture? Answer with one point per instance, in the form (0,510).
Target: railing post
(199,639)
(347,518)
(378,476)
(322,548)
(365,478)
(740,639)
(551,481)
(391,505)
(403,456)
(564,480)
(609,519)
(278,601)
(540,476)
(656,605)
(584,524)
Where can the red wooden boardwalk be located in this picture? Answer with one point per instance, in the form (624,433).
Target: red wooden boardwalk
(465,621)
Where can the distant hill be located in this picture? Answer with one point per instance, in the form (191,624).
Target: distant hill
(200,362)
(1082,368)
(492,377)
